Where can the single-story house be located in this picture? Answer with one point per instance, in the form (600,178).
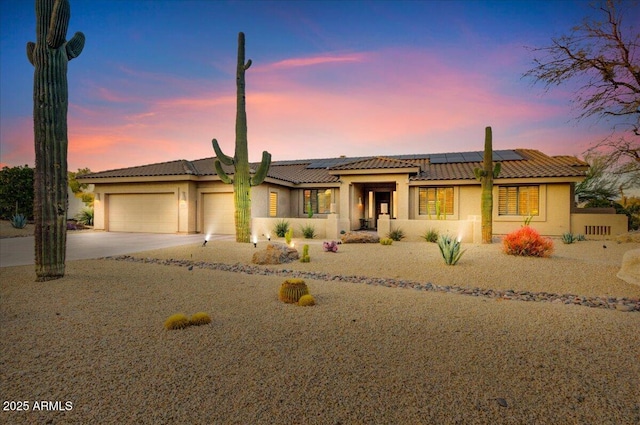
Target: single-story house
(413,193)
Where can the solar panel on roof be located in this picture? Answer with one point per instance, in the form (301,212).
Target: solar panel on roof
(506,155)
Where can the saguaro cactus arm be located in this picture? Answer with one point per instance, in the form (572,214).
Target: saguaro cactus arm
(31,46)
(225,159)
(261,172)
(220,172)
(75,45)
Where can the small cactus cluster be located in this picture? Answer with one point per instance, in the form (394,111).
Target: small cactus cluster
(330,246)
(386,241)
(181,321)
(288,236)
(305,254)
(295,291)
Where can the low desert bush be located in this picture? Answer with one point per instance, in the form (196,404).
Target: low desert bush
(85,217)
(281,228)
(568,238)
(177,321)
(431,235)
(396,235)
(308,231)
(386,241)
(526,241)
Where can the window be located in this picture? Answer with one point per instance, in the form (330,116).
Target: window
(434,201)
(518,200)
(273,204)
(319,199)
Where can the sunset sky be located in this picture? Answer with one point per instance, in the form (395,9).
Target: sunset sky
(156,79)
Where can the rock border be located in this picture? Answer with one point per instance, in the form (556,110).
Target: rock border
(613,303)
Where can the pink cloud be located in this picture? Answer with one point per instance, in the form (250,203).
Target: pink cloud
(395,101)
(311,61)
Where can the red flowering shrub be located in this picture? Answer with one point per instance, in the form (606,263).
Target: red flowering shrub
(527,242)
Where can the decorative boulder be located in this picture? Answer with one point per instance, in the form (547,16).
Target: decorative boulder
(360,237)
(630,270)
(275,253)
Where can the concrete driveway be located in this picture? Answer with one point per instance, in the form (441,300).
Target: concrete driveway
(85,245)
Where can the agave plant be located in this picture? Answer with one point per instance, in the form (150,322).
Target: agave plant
(568,238)
(450,249)
(19,221)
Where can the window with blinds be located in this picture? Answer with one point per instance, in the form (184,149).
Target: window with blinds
(273,204)
(319,200)
(434,201)
(518,200)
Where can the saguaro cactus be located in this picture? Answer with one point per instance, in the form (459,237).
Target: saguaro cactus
(486,176)
(242,179)
(49,56)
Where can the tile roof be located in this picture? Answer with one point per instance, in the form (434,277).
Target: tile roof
(517,163)
(378,162)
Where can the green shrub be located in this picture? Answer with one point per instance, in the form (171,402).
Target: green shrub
(527,242)
(450,249)
(568,238)
(581,238)
(386,241)
(431,235)
(281,228)
(19,221)
(308,231)
(396,235)
(85,217)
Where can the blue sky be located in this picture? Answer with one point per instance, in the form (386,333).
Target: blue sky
(156,79)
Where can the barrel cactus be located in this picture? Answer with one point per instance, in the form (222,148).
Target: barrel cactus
(200,318)
(49,55)
(176,321)
(306,301)
(292,289)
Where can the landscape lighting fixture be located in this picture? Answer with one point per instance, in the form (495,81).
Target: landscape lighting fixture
(255,241)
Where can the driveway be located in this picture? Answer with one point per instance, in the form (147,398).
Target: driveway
(85,245)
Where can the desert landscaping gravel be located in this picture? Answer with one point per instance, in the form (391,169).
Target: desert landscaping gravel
(92,345)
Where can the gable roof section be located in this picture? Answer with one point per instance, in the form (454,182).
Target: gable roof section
(517,163)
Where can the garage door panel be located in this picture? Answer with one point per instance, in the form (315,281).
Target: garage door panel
(148,213)
(218,213)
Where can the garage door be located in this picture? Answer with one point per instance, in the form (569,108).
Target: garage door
(148,213)
(218,213)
